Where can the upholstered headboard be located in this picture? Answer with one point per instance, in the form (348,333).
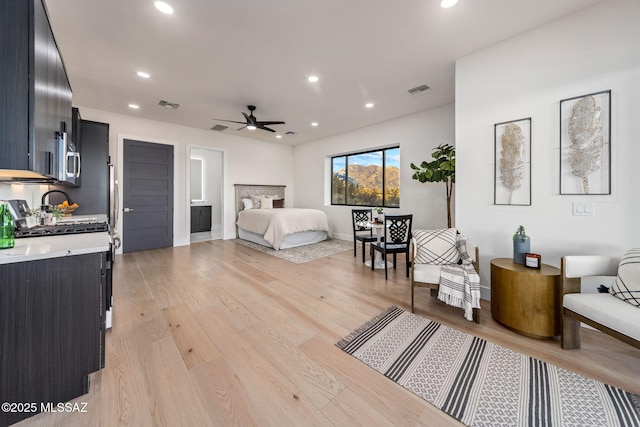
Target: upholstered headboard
(244,191)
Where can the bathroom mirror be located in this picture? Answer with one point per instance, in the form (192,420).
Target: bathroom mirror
(196,179)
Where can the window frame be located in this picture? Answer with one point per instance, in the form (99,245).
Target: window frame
(346,156)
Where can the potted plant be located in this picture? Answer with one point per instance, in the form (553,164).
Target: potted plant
(441,169)
(379,214)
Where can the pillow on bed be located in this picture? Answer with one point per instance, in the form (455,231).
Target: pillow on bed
(266,202)
(256,202)
(278,203)
(247,204)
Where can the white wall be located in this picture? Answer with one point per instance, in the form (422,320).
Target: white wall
(416,134)
(30,192)
(594,50)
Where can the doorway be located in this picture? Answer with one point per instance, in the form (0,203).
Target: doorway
(147,196)
(206,170)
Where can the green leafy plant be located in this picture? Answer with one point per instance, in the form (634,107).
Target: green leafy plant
(520,234)
(441,169)
(378,210)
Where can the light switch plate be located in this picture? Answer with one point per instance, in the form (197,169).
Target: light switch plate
(583,209)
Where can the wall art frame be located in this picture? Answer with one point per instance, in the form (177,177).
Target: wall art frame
(585,144)
(512,165)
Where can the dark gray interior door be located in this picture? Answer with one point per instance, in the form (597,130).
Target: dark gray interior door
(147,196)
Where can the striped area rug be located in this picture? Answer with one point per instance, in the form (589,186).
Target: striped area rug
(484,384)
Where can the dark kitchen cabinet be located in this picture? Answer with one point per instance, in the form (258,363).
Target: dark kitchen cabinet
(35,91)
(200,218)
(92,195)
(52,315)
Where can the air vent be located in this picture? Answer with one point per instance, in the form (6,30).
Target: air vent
(169,105)
(290,133)
(419,89)
(219,128)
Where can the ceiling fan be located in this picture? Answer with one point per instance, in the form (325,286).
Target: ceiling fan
(251,122)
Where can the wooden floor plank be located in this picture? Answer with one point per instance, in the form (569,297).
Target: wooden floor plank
(319,385)
(282,402)
(191,340)
(224,396)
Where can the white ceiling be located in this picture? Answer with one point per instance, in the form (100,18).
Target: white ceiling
(215,57)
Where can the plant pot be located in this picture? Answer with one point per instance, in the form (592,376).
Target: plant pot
(520,247)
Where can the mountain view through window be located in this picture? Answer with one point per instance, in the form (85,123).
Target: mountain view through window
(366,179)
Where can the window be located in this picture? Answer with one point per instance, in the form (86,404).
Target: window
(370,178)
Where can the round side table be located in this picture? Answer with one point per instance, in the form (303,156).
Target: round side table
(526,300)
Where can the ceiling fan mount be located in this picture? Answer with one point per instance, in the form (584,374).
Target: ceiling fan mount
(252,123)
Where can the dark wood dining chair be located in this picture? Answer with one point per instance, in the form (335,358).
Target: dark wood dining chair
(397,239)
(361,232)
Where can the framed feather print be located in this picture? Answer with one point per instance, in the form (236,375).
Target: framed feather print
(585,144)
(512,170)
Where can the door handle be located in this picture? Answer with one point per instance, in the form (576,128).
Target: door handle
(128,210)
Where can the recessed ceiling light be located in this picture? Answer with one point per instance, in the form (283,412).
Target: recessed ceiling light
(163,7)
(369,105)
(448,3)
(251,127)
(278,136)
(134,106)
(313,79)
(314,124)
(143,74)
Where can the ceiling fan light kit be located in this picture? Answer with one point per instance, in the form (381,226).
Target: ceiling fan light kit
(252,123)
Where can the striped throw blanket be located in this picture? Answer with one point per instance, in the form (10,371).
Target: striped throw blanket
(460,283)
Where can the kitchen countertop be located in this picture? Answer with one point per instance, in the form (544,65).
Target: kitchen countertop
(35,248)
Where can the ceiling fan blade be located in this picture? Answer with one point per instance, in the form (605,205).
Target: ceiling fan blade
(242,127)
(269,123)
(230,121)
(265,128)
(246,117)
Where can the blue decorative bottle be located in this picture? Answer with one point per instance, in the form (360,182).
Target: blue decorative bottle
(521,245)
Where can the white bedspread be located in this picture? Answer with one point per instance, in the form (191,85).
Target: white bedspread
(276,224)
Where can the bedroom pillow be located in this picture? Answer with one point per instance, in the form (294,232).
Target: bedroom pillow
(626,286)
(247,204)
(278,203)
(256,202)
(266,202)
(436,246)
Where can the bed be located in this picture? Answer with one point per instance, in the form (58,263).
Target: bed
(262,218)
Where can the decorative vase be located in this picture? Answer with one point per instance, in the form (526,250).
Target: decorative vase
(521,245)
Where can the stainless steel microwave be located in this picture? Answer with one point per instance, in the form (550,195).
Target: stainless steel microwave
(68,161)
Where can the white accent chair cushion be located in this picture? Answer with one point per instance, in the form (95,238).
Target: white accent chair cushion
(606,310)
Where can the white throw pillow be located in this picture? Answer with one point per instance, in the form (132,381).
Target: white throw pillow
(247,204)
(436,246)
(266,202)
(627,283)
(461,246)
(256,202)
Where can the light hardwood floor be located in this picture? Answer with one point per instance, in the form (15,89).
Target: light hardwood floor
(218,334)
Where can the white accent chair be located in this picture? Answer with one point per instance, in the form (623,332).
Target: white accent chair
(428,275)
(602,311)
